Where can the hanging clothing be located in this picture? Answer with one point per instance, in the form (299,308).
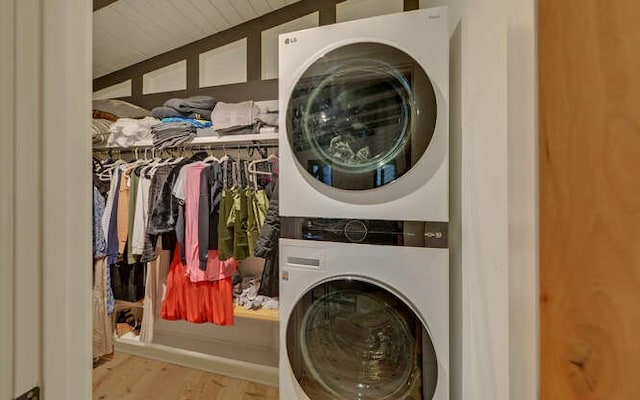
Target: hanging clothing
(123,213)
(165,211)
(208,211)
(240,219)
(179,194)
(133,196)
(102,333)
(257,205)
(157,182)
(206,224)
(99,242)
(214,268)
(110,219)
(225,229)
(127,281)
(196,302)
(156,278)
(267,247)
(140,215)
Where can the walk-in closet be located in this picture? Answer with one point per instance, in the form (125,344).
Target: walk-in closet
(185,169)
(288,199)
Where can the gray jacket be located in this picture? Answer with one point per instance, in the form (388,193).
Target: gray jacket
(267,246)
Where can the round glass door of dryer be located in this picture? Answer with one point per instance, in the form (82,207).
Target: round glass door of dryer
(361,116)
(351,339)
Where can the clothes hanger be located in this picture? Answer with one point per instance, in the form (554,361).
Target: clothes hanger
(137,162)
(177,159)
(97,165)
(252,165)
(242,171)
(234,172)
(107,173)
(225,157)
(152,163)
(211,157)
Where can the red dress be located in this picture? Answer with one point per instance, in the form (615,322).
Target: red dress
(208,301)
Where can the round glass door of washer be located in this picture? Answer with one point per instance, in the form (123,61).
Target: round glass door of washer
(361,116)
(351,339)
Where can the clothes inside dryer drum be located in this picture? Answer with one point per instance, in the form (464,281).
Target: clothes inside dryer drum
(354,340)
(365,113)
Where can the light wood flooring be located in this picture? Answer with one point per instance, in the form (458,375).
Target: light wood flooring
(129,377)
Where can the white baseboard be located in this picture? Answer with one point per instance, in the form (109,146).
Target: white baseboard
(262,374)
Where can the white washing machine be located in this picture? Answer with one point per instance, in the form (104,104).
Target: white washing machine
(364,119)
(364,260)
(363,322)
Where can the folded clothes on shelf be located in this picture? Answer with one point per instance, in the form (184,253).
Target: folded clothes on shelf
(128,132)
(270,118)
(100,130)
(234,116)
(113,109)
(172,134)
(198,123)
(196,107)
(245,130)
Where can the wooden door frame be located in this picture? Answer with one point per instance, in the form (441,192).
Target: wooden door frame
(66,198)
(45,204)
(7,54)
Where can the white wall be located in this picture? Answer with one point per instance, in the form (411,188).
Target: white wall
(523,199)
(493,154)
(356,9)
(166,79)
(224,65)
(270,42)
(122,89)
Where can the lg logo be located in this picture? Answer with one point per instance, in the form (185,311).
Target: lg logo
(290,40)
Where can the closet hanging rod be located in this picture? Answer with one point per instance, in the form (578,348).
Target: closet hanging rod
(186,147)
(217,142)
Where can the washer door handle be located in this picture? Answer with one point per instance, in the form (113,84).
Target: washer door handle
(303,262)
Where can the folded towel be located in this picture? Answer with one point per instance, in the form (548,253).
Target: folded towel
(100,130)
(198,123)
(192,103)
(232,116)
(172,134)
(196,107)
(245,130)
(166,112)
(270,118)
(127,131)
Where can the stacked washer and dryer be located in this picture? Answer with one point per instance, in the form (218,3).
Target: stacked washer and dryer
(364,195)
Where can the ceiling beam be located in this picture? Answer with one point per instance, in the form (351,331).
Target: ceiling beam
(98,4)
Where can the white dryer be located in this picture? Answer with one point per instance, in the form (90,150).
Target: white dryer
(364,119)
(363,322)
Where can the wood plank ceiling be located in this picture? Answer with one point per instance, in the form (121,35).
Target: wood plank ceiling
(126,32)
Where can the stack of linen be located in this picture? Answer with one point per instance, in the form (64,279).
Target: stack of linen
(196,107)
(127,132)
(241,118)
(107,130)
(172,134)
(181,119)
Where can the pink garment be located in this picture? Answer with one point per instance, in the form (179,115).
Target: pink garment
(216,269)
